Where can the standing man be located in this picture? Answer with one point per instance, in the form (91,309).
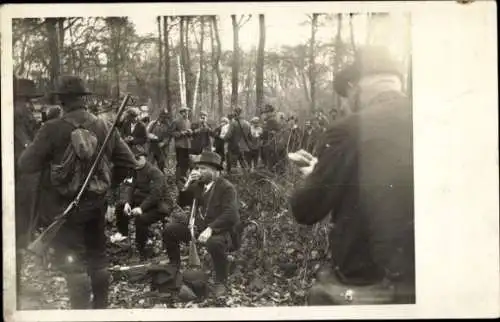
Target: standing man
(26,184)
(215,221)
(238,140)
(80,244)
(159,139)
(181,130)
(271,127)
(201,135)
(255,143)
(219,135)
(134,132)
(363,178)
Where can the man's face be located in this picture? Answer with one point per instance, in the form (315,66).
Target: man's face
(184,114)
(207,172)
(203,118)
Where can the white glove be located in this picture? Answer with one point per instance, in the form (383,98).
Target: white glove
(205,235)
(137,211)
(127,209)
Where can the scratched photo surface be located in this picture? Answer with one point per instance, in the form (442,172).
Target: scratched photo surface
(212,159)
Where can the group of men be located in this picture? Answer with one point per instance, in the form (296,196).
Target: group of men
(358,171)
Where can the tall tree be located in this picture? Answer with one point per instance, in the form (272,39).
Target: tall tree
(312,61)
(237,24)
(201,87)
(220,84)
(338,55)
(213,59)
(167,63)
(351,29)
(160,61)
(55,63)
(259,68)
(187,63)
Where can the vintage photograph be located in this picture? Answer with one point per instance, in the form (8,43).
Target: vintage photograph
(201,161)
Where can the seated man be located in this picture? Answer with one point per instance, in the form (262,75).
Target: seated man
(215,221)
(148,201)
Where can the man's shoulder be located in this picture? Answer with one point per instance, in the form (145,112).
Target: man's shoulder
(223,182)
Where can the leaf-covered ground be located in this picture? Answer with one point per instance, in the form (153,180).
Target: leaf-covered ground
(275,265)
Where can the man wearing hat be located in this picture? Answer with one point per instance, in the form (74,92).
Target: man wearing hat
(363,178)
(201,135)
(270,132)
(255,142)
(149,201)
(181,130)
(134,131)
(80,244)
(27,185)
(215,221)
(238,139)
(159,138)
(219,135)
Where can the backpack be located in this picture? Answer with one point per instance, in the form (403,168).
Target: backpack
(68,176)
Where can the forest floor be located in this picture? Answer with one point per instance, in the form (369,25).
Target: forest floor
(274,266)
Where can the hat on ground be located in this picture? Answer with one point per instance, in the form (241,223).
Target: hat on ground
(209,158)
(71,86)
(25,88)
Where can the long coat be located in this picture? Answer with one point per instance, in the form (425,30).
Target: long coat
(238,135)
(178,127)
(139,134)
(364,179)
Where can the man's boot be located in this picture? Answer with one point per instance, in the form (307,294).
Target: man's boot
(79,290)
(100,287)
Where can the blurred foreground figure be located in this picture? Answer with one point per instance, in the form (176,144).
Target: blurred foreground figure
(80,243)
(27,185)
(363,179)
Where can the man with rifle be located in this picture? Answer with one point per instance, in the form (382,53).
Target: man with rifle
(215,220)
(68,148)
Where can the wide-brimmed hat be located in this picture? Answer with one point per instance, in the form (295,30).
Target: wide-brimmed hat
(25,88)
(369,60)
(254,120)
(209,158)
(203,113)
(184,109)
(71,86)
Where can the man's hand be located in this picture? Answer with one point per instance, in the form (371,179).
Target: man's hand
(195,175)
(304,160)
(129,138)
(137,211)
(205,235)
(127,209)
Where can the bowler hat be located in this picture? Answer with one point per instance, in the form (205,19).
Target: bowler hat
(70,85)
(25,88)
(203,113)
(210,158)
(368,61)
(184,109)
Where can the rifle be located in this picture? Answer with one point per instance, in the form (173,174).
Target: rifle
(39,245)
(194,259)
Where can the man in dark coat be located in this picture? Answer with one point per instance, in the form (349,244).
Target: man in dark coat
(215,221)
(181,130)
(271,129)
(149,201)
(134,132)
(237,137)
(201,135)
(159,138)
(27,184)
(80,243)
(363,177)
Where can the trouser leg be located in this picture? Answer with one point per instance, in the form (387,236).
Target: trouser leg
(173,235)
(142,224)
(122,220)
(217,247)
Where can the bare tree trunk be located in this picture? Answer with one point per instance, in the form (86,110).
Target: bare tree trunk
(182,58)
(55,64)
(312,61)
(60,41)
(160,63)
(217,67)
(167,64)
(202,61)
(212,74)
(235,63)
(187,67)
(259,68)
(338,55)
(351,28)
